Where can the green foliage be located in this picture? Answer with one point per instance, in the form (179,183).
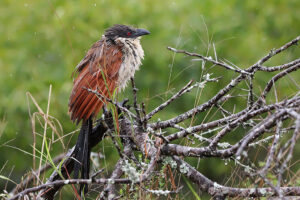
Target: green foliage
(42,41)
(196,196)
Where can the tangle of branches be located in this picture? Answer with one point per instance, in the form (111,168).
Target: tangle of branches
(165,144)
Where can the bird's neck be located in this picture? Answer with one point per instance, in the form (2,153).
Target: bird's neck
(131,60)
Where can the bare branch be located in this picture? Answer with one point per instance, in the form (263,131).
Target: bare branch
(155,146)
(279,67)
(135,104)
(215,189)
(60,183)
(209,59)
(175,96)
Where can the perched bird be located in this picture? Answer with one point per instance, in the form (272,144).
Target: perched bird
(106,68)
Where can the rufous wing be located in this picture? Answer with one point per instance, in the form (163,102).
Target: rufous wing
(97,71)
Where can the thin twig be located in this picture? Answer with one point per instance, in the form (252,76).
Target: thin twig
(135,104)
(209,59)
(111,101)
(183,90)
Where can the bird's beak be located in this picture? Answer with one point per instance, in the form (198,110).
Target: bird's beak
(140,32)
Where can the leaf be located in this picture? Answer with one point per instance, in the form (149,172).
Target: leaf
(7,179)
(191,188)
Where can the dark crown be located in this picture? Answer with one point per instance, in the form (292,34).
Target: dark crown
(124,31)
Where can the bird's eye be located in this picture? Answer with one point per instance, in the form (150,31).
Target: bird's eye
(128,33)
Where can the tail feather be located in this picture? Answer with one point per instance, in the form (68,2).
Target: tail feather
(79,151)
(82,153)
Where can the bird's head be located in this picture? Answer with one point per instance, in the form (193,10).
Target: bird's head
(124,31)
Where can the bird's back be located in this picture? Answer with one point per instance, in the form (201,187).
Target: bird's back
(97,71)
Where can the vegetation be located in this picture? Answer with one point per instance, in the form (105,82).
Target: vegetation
(42,41)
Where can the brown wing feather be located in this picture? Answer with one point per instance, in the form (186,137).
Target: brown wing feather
(97,71)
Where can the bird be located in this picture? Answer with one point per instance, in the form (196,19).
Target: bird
(106,68)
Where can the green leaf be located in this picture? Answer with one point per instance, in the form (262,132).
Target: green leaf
(191,188)
(7,179)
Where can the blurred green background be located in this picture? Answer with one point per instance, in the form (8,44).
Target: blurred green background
(41,41)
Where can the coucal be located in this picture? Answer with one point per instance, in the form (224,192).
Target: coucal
(106,68)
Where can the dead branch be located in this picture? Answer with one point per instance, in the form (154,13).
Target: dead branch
(260,122)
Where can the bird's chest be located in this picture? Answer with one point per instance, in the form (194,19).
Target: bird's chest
(131,60)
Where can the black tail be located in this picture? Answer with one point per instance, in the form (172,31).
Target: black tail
(82,153)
